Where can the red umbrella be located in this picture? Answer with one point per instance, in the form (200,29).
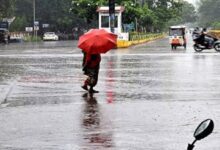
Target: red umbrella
(97,41)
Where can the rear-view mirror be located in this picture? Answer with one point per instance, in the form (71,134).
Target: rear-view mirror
(204,129)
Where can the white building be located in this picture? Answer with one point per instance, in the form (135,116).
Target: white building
(104,21)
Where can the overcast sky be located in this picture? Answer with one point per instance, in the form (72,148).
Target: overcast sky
(192,1)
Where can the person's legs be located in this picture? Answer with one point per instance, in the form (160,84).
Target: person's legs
(86,83)
(91,90)
(94,80)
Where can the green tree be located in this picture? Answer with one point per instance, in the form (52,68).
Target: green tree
(6,8)
(216,25)
(65,15)
(18,24)
(209,12)
(86,10)
(149,14)
(188,13)
(56,13)
(164,11)
(132,12)
(23,12)
(148,19)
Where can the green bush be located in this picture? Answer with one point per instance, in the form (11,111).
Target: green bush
(216,25)
(32,39)
(18,24)
(141,36)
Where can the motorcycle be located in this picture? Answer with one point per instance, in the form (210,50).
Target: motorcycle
(203,130)
(208,43)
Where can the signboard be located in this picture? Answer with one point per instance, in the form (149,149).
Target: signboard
(9,20)
(36,23)
(29,29)
(4,25)
(123,36)
(45,25)
(36,28)
(128,27)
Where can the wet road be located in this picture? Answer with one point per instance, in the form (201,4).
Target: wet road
(150,98)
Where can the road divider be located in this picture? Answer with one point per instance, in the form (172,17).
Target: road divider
(216,33)
(139,39)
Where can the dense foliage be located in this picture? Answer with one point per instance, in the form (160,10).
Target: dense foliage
(209,13)
(71,15)
(148,15)
(6,8)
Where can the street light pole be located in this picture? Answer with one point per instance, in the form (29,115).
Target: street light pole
(112,15)
(34,18)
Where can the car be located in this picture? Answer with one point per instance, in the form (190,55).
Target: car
(4,35)
(50,36)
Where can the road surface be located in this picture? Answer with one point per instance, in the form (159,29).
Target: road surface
(151,97)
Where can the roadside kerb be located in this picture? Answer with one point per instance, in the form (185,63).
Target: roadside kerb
(125,44)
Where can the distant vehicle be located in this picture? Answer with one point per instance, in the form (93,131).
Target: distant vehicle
(205,41)
(177,36)
(50,36)
(4,36)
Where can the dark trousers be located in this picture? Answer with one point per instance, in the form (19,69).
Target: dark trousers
(92,78)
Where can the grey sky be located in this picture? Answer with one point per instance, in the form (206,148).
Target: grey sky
(192,1)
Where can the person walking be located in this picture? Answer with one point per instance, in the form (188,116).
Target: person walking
(91,65)
(94,43)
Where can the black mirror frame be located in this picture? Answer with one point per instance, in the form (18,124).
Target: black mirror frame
(206,132)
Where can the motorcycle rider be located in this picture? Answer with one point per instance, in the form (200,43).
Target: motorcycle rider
(207,38)
(202,37)
(196,33)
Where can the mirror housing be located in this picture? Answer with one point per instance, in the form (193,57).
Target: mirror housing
(204,129)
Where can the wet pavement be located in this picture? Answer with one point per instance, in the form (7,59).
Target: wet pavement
(151,97)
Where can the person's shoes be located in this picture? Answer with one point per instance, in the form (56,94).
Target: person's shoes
(85,87)
(93,91)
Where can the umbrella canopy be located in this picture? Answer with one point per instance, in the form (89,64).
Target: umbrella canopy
(97,41)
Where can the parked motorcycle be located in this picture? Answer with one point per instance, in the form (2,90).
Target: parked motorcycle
(208,43)
(203,130)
